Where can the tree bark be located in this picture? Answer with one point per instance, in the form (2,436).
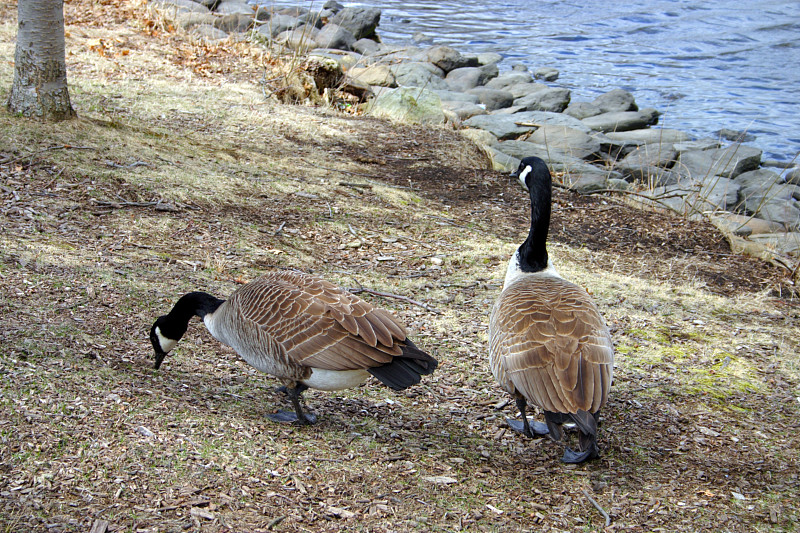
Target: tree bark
(40,69)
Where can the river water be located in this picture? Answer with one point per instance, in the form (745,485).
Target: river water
(706,65)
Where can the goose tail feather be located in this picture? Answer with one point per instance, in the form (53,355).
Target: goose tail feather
(405,369)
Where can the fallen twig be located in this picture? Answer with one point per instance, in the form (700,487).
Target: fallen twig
(397,297)
(159,206)
(49,148)
(597,506)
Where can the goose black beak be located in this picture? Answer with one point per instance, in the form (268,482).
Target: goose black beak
(160,355)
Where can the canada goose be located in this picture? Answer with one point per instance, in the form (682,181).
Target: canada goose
(305,331)
(548,344)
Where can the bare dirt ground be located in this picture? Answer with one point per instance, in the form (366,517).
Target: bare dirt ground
(179,176)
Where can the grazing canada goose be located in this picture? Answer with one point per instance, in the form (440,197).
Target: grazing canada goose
(548,344)
(304,330)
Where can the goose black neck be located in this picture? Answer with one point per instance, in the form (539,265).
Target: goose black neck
(191,304)
(533,252)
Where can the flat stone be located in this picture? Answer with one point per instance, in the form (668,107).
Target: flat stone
(367,47)
(235,23)
(501,162)
(419,74)
(722,193)
(618,100)
(455,96)
(173,7)
(463,79)
(190,19)
(512,126)
(736,136)
(524,89)
(793,176)
(492,99)
(209,32)
(582,110)
(728,162)
(699,144)
(782,212)
(380,75)
(546,73)
(489,58)
(759,179)
(650,136)
(335,36)
(618,121)
(649,175)
(301,39)
(507,79)
(344,58)
(448,58)
(654,155)
(231,8)
(278,24)
(465,110)
(783,243)
(550,99)
(743,225)
(360,21)
(570,141)
(479,137)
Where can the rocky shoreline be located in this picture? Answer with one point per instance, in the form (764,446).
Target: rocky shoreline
(608,145)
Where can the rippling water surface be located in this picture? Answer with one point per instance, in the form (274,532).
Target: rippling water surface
(706,65)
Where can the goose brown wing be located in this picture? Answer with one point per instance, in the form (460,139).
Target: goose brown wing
(318,324)
(549,343)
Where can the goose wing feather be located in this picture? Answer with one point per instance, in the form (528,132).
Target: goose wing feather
(318,324)
(549,343)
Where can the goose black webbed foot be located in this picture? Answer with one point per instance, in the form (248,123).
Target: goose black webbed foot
(533,430)
(288,417)
(573,457)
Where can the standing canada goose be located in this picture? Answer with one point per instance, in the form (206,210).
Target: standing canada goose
(548,344)
(305,331)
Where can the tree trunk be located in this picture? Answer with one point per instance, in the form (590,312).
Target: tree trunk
(40,69)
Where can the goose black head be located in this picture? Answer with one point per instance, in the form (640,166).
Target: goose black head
(533,174)
(164,338)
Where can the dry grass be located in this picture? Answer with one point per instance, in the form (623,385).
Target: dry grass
(178,176)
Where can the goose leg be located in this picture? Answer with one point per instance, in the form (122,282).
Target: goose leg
(298,417)
(587,445)
(537,429)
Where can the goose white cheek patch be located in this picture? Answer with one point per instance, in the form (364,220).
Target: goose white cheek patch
(166,344)
(523,175)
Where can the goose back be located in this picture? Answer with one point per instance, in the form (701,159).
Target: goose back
(549,343)
(286,323)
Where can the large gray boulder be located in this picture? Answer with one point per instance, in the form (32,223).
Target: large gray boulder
(582,110)
(278,24)
(367,47)
(380,75)
(464,110)
(466,78)
(699,144)
(190,19)
(728,162)
(614,101)
(550,99)
(568,140)
(546,73)
(453,96)
(513,125)
(492,99)
(447,58)
(654,155)
(234,23)
(301,39)
(208,32)
(419,74)
(781,212)
(793,176)
(618,121)
(173,7)
(507,79)
(360,21)
(335,36)
(232,8)
(410,105)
